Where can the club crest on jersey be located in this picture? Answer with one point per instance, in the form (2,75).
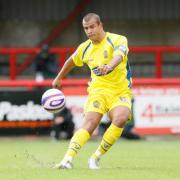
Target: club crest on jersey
(105,54)
(124,99)
(96,104)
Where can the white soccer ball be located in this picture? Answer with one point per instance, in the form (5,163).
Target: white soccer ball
(53,100)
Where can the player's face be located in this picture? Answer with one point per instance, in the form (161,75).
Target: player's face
(93,29)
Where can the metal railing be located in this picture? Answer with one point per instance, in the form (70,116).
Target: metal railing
(157,51)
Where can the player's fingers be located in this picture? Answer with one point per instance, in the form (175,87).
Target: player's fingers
(55,85)
(104,70)
(108,69)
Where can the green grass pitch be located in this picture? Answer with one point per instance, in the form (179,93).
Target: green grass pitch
(31,159)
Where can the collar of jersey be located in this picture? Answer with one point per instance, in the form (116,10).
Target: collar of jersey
(105,37)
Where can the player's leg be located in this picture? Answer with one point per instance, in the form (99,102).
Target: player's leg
(119,115)
(91,121)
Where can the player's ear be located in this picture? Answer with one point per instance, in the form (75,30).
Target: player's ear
(101,24)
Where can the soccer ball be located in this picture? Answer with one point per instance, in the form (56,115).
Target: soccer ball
(53,100)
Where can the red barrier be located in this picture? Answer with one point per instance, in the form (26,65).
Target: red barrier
(83,82)
(158,51)
(13,52)
(150,88)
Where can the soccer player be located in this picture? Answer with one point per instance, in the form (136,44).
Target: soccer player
(109,89)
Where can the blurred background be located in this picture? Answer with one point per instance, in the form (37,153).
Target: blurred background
(37,36)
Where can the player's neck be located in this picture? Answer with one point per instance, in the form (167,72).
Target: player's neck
(100,39)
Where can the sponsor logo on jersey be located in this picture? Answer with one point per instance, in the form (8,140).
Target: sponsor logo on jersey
(105,54)
(96,104)
(90,60)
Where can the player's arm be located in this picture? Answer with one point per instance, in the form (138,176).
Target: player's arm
(105,69)
(67,67)
(120,51)
(74,60)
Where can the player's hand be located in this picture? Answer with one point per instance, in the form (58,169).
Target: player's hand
(96,71)
(56,83)
(104,69)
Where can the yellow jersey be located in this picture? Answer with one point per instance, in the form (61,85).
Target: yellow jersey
(95,55)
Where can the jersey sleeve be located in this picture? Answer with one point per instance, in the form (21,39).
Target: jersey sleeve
(121,46)
(77,56)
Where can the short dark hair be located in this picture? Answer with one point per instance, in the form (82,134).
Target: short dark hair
(89,16)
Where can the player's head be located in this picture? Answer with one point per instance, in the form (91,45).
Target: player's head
(93,26)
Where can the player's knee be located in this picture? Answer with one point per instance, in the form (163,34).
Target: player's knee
(120,120)
(90,124)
